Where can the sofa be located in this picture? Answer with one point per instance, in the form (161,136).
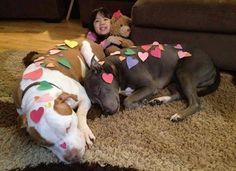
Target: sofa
(49,10)
(208,24)
(87,6)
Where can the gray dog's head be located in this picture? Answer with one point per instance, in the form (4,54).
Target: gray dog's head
(102,87)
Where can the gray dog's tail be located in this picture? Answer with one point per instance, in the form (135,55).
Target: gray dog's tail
(29,58)
(211,88)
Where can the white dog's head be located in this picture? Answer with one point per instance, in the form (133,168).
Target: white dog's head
(55,125)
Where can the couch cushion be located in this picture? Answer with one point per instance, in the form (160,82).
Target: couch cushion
(194,15)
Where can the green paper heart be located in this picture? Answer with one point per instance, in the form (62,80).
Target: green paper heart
(130,52)
(64,62)
(44,85)
(43,65)
(62,47)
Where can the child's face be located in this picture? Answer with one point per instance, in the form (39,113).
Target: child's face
(102,25)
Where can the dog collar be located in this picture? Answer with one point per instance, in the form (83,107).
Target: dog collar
(34,84)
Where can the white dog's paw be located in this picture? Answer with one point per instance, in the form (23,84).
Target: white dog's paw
(176,117)
(89,136)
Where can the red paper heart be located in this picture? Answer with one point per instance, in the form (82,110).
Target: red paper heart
(63,145)
(146,47)
(36,115)
(34,75)
(107,77)
(143,55)
(156,52)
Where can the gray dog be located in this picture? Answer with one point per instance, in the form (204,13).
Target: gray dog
(140,72)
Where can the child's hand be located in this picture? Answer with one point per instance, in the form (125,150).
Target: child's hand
(114,40)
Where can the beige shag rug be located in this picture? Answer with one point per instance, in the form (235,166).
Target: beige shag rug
(143,138)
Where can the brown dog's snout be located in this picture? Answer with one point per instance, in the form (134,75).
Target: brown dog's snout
(73,155)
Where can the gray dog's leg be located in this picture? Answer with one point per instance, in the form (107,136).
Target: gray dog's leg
(189,89)
(137,97)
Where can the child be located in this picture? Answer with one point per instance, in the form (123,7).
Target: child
(99,28)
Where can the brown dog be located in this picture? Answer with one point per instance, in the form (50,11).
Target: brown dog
(48,92)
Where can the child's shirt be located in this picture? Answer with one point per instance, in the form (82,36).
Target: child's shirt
(92,36)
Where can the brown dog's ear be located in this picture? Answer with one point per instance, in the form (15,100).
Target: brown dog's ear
(22,121)
(61,106)
(95,66)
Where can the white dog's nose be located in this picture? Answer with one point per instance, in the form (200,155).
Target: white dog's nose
(74,155)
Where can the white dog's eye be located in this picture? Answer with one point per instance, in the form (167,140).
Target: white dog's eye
(68,128)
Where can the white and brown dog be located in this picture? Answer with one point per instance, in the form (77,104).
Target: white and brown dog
(46,95)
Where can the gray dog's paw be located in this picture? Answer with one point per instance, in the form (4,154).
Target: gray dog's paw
(155,102)
(176,118)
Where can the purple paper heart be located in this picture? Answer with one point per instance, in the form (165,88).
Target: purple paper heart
(131,61)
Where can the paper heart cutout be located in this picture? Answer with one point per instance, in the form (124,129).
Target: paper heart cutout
(60,55)
(155,43)
(48,105)
(121,58)
(101,62)
(161,46)
(39,59)
(156,52)
(43,65)
(54,51)
(129,52)
(115,53)
(44,98)
(146,47)
(63,145)
(107,77)
(60,44)
(183,54)
(50,65)
(143,55)
(34,75)
(64,62)
(36,98)
(131,62)
(36,115)
(44,85)
(71,43)
(178,46)
(62,47)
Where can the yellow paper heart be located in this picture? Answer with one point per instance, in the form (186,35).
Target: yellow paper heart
(71,43)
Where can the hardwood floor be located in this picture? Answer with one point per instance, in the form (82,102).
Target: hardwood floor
(37,35)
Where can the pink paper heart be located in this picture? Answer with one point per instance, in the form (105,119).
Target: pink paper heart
(155,43)
(156,52)
(39,59)
(143,55)
(54,51)
(178,46)
(183,54)
(34,75)
(63,145)
(131,62)
(45,98)
(107,77)
(36,115)
(146,47)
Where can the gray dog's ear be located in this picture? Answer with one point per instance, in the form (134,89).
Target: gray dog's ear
(95,66)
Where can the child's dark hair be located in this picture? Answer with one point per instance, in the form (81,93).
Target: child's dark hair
(105,12)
